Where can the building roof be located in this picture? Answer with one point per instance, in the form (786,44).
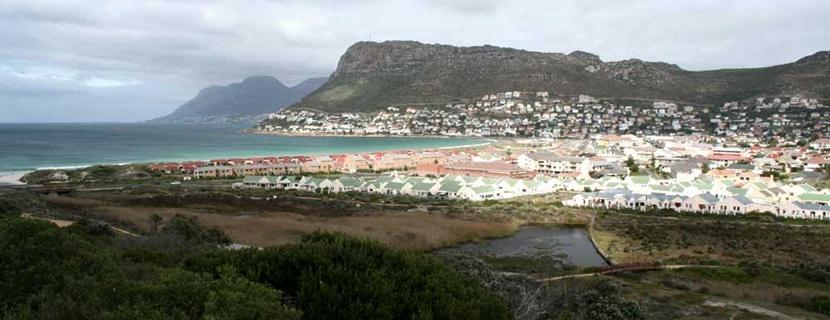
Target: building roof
(813,196)
(810,206)
(742,200)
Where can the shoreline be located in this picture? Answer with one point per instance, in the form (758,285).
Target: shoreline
(12,177)
(309,134)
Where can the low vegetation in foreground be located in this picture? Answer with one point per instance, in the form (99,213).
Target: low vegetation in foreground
(769,269)
(753,267)
(85,272)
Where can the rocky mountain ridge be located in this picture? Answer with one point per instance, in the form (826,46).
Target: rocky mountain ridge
(241,102)
(371,76)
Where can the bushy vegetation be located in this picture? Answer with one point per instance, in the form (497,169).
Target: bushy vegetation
(595,298)
(180,272)
(702,239)
(334,276)
(51,273)
(97,173)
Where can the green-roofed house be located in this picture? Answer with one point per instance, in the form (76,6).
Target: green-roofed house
(319,185)
(395,188)
(450,189)
(424,189)
(373,186)
(346,184)
(815,197)
(484,193)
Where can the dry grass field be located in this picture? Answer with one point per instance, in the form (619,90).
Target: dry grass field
(272,224)
(627,238)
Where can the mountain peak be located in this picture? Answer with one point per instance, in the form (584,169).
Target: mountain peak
(262,80)
(585,56)
(818,57)
(253,96)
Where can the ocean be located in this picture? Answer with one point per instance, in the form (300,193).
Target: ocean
(26,147)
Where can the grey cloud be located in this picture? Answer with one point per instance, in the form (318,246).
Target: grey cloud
(173,48)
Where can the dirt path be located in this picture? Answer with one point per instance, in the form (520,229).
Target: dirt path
(632,269)
(722,303)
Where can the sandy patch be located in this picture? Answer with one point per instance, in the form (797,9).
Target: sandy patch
(11,178)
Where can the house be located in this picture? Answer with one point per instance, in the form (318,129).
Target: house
(816,163)
(548,163)
(700,203)
(484,193)
(724,160)
(733,205)
(815,198)
(425,189)
(820,144)
(803,210)
(684,170)
(262,182)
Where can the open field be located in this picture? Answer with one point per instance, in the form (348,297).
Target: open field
(262,217)
(266,222)
(408,230)
(715,294)
(629,238)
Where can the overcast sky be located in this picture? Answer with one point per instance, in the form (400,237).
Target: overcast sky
(95,60)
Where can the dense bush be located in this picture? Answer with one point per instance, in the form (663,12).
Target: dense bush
(813,272)
(332,276)
(605,302)
(52,273)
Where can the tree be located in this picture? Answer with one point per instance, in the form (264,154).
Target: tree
(704,167)
(606,302)
(189,229)
(155,222)
(632,165)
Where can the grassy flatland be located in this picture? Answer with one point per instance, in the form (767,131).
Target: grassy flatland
(641,238)
(263,222)
(772,270)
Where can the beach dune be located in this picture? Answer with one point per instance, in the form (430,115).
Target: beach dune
(11,178)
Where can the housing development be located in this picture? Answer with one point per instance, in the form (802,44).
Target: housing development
(689,173)
(539,114)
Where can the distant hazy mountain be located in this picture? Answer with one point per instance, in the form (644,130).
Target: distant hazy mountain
(371,76)
(243,102)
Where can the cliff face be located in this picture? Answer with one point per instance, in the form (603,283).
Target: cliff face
(372,76)
(244,100)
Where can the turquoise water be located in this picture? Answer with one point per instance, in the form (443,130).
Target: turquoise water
(25,147)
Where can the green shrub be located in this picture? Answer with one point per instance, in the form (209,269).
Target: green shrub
(335,276)
(51,273)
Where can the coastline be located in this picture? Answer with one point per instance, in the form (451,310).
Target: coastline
(310,134)
(13,177)
(489,140)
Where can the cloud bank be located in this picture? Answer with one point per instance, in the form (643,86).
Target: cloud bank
(87,60)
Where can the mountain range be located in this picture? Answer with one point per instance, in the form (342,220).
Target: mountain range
(372,76)
(243,102)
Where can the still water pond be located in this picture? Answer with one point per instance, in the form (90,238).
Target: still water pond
(573,244)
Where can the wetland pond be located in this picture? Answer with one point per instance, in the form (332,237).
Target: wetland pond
(571,245)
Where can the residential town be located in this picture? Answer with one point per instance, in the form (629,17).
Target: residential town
(695,173)
(540,114)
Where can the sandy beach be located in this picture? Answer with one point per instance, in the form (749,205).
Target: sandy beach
(11,178)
